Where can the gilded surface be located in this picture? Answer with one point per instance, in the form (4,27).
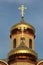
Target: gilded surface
(20,25)
(22,8)
(22,50)
(22,63)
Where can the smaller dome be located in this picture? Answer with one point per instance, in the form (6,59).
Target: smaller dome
(3,62)
(40,62)
(22,24)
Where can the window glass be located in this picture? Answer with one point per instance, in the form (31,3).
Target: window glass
(30,43)
(14,43)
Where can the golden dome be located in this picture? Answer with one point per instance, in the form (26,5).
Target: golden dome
(22,24)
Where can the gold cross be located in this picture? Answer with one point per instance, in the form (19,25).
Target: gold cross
(22,8)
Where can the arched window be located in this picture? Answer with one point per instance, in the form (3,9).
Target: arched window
(30,43)
(14,44)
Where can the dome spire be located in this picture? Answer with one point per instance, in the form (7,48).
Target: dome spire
(22,8)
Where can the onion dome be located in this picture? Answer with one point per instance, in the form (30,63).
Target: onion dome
(22,36)
(22,24)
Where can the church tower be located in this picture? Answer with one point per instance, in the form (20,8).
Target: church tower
(22,43)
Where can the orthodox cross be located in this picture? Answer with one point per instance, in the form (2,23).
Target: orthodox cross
(22,8)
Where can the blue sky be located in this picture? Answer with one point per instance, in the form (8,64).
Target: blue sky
(10,15)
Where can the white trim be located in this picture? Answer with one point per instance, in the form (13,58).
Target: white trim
(4,62)
(40,62)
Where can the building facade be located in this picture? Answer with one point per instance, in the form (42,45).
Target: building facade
(22,37)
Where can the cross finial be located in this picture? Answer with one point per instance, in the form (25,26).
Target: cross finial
(22,8)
